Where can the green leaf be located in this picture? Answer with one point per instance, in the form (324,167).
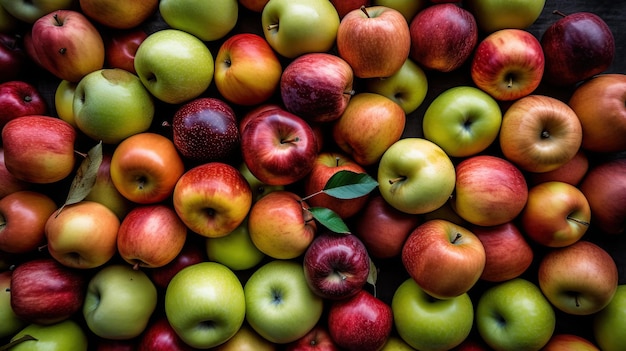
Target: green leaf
(85,177)
(349,185)
(372,277)
(329,219)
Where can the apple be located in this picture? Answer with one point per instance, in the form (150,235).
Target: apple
(577,47)
(296,27)
(208,20)
(8,182)
(205,129)
(317,86)
(145,167)
(327,164)
(279,304)
(118,14)
(121,46)
(247,71)
(540,133)
(212,199)
(67,44)
(445,259)
(174,66)
(556,214)
(514,315)
(43,291)
(463,121)
(360,322)
(259,189)
(406,166)
(579,279)
(253,5)
(571,172)
(280,225)
(382,228)
(566,341)
(408,8)
(31,11)
(427,323)
(205,304)
(443,37)
(23,216)
(191,253)
(65,335)
(447,212)
(336,266)
(317,339)
(246,339)
(607,322)
(366,32)
(105,192)
(101,95)
(489,190)
(508,64)
(599,105)
(396,343)
(407,87)
(604,189)
(119,302)
(235,250)
(507,252)
(64,101)
(82,235)
(12,54)
(11,323)
(493,15)
(345,6)
(278,147)
(369,125)
(160,336)
(151,236)
(39,149)
(20,98)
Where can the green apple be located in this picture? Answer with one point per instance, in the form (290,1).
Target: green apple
(463,121)
(207,20)
(62,336)
(30,11)
(64,101)
(407,87)
(280,306)
(119,302)
(416,176)
(205,304)
(492,15)
(259,189)
(296,27)
(408,8)
(427,323)
(11,323)
(235,250)
(112,104)
(608,324)
(514,315)
(175,66)
(396,343)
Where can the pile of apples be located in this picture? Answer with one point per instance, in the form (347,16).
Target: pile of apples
(310,175)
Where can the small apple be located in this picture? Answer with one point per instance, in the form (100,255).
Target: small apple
(20,98)
(65,335)
(207,20)
(160,336)
(345,6)
(118,14)
(64,101)
(235,250)
(121,46)
(317,339)
(407,87)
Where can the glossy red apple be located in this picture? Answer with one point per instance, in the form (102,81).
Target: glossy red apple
(120,48)
(193,252)
(345,6)
(20,98)
(13,59)
(317,339)
(160,336)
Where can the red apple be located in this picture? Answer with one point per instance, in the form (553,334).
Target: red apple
(508,64)
(317,86)
(23,216)
(443,258)
(121,46)
(571,172)
(317,339)
(253,5)
(20,98)
(192,252)
(443,36)
(278,147)
(361,322)
(119,14)
(489,190)
(507,253)
(382,228)
(39,149)
(151,236)
(44,291)
(336,266)
(345,6)
(569,342)
(8,182)
(365,33)
(67,44)
(160,336)
(12,57)
(604,187)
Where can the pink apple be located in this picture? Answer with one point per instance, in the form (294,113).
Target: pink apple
(20,98)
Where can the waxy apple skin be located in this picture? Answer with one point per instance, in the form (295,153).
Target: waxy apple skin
(121,47)
(20,98)
(160,336)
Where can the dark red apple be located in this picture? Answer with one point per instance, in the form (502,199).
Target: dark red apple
(20,98)
(160,336)
(206,129)
(576,47)
(336,266)
(121,46)
(362,322)
(44,291)
(345,6)
(103,344)
(443,36)
(192,252)
(317,339)
(12,57)
(8,182)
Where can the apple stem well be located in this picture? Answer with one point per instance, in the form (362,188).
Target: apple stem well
(398,179)
(272,26)
(365,11)
(457,237)
(292,140)
(585,223)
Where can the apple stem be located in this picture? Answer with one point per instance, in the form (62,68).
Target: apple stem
(365,11)
(293,140)
(456,238)
(166,124)
(395,180)
(82,154)
(576,300)
(56,19)
(545,134)
(510,83)
(337,159)
(136,266)
(350,92)
(272,26)
(557,12)
(310,196)
(42,247)
(586,224)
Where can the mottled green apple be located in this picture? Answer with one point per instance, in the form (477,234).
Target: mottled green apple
(492,15)
(62,336)
(407,87)
(207,20)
